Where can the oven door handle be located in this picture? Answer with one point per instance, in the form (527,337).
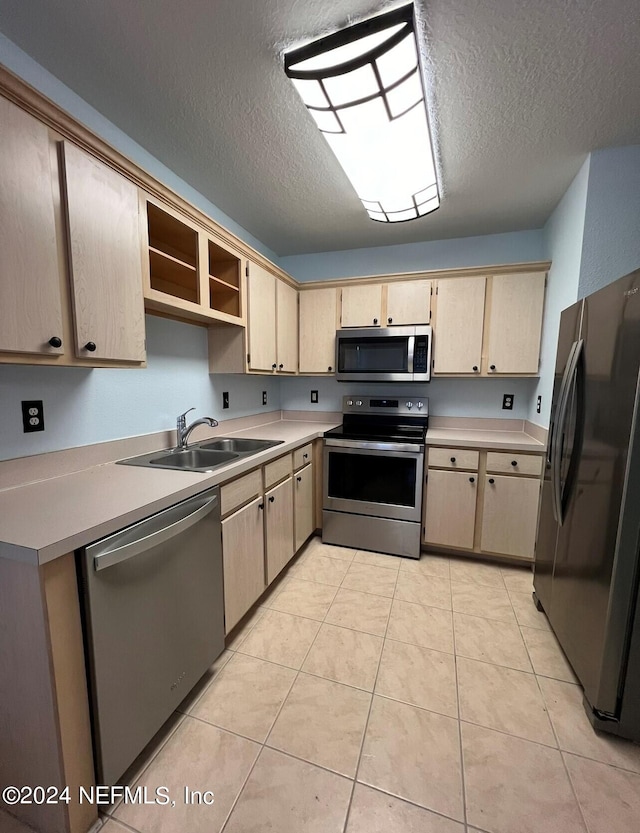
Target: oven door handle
(372,446)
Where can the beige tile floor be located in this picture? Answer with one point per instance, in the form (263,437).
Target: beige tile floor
(373,694)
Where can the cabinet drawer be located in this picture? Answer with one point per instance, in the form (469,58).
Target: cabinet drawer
(302,456)
(514,462)
(240,491)
(278,470)
(453,458)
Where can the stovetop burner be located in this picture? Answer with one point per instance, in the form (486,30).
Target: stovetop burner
(383,419)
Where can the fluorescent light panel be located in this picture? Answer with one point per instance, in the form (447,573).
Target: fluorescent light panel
(363,87)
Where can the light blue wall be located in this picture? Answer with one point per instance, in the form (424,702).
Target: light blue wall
(488,250)
(91,406)
(611,245)
(22,65)
(447,397)
(564,236)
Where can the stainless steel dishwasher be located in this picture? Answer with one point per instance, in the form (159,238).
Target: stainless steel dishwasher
(154,619)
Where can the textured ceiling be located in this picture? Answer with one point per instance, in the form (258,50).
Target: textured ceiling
(521,91)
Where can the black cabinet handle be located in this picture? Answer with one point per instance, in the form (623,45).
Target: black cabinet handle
(491,480)
(453,459)
(298,479)
(472,480)
(375,320)
(90,346)
(271,499)
(330,369)
(390,320)
(304,456)
(475,367)
(514,462)
(492,367)
(273,366)
(261,506)
(280,366)
(54,341)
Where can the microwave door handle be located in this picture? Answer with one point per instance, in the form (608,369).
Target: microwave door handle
(411,345)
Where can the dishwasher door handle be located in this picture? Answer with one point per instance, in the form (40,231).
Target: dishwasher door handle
(117,556)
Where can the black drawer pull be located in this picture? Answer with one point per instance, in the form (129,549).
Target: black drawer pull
(261,506)
(492,367)
(514,462)
(273,366)
(453,459)
(491,480)
(475,367)
(330,369)
(390,320)
(54,341)
(472,480)
(280,366)
(375,320)
(271,499)
(299,479)
(90,346)
(305,456)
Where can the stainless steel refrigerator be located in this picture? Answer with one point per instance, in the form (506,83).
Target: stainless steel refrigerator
(588,550)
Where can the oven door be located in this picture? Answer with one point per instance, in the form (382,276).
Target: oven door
(379,479)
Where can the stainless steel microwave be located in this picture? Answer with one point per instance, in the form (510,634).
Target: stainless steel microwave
(393,354)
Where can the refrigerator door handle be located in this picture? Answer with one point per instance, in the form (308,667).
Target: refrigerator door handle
(560,504)
(555,436)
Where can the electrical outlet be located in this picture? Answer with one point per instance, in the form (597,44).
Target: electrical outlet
(507,402)
(264,397)
(225,399)
(539,405)
(32,416)
(314,397)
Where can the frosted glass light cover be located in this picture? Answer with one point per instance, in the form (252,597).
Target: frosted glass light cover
(374,117)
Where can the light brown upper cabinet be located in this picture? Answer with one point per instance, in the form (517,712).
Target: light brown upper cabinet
(318,330)
(30,302)
(286,327)
(458,325)
(105,257)
(515,323)
(362,305)
(187,273)
(261,325)
(408,302)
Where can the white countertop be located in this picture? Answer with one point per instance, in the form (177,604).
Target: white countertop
(484,438)
(43,520)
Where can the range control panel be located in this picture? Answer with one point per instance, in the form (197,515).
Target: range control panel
(393,406)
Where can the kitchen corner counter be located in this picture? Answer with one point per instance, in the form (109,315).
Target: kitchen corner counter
(488,434)
(48,518)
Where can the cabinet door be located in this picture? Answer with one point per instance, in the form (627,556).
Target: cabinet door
(261,322)
(243,560)
(318,330)
(105,251)
(279,527)
(30,305)
(450,512)
(303,505)
(362,306)
(510,515)
(408,302)
(287,337)
(458,326)
(515,323)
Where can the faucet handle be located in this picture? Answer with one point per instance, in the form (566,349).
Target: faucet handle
(182,416)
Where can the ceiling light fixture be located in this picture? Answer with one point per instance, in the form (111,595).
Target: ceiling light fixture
(363,87)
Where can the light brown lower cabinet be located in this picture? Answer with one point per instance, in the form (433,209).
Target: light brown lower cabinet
(303,505)
(510,515)
(278,505)
(450,508)
(243,560)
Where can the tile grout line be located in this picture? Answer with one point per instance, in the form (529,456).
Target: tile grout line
(459,721)
(366,724)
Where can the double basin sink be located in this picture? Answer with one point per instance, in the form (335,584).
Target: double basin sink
(204,456)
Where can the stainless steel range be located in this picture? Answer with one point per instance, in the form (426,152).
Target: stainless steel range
(373,474)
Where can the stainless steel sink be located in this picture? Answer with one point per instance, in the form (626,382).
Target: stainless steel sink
(239,445)
(194,459)
(204,456)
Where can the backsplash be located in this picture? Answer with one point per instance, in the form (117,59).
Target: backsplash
(447,397)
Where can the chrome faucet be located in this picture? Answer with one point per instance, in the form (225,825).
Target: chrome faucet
(183,430)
